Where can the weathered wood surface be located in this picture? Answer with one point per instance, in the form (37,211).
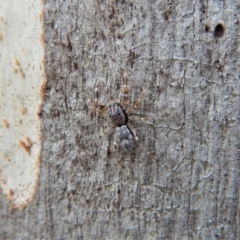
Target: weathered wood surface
(183,180)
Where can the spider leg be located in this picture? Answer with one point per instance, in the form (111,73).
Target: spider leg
(103,137)
(124,93)
(134,131)
(138,102)
(99,110)
(108,131)
(115,141)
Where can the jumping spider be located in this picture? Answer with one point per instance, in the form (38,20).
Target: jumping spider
(119,113)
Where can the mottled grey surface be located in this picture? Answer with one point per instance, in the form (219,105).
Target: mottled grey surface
(183,180)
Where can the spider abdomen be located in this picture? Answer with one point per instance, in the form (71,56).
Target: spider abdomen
(126,137)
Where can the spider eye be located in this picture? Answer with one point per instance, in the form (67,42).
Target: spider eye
(118,111)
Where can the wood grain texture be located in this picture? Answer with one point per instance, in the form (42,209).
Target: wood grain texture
(183,180)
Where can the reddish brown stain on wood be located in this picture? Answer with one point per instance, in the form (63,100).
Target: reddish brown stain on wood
(41,16)
(10,193)
(39,111)
(23,110)
(43,87)
(17,62)
(6,123)
(3,181)
(26,145)
(42,38)
(18,68)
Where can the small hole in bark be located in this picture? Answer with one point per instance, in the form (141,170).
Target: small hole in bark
(219,30)
(207,28)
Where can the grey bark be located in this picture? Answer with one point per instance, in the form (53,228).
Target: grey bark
(182,182)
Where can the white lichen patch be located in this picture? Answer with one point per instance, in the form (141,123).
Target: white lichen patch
(21,80)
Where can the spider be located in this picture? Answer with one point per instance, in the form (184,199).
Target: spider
(119,113)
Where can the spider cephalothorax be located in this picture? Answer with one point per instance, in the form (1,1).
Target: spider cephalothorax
(125,136)
(117,114)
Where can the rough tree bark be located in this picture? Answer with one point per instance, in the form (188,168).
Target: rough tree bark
(182,182)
